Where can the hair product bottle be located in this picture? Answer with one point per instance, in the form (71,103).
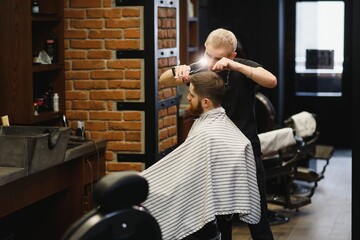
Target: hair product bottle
(35,7)
(56,102)
(51,47)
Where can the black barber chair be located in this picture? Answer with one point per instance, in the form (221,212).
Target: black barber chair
(280,176)
(308,146)
(265,113)
(281,168)
(119,214)
(310,150)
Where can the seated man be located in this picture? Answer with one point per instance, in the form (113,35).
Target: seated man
(211,173)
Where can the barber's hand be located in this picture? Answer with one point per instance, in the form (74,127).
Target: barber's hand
(223,64)
(182,73)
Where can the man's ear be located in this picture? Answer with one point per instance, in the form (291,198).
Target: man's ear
(206,103)
(233,55)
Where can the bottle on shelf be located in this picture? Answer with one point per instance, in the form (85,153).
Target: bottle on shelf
(46,96)
(80,130)
(56,102)
(190,9)
(36,109)
(51,47)
(35,7)
(40,19)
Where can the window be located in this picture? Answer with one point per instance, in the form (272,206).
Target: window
(319,49)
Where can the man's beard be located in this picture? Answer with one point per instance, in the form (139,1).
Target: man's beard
(197,110)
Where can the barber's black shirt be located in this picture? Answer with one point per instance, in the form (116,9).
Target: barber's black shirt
(239,102)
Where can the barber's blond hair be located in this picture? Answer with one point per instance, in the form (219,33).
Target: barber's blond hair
(221,37)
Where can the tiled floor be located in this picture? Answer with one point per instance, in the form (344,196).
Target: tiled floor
(329,214)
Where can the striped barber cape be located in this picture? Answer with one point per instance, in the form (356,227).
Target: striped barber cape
(211,173)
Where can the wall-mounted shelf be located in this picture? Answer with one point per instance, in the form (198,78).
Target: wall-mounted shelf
(189,32)
(23,83)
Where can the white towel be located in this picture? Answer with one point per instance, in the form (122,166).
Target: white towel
(275,140)
(212,173)
(304,124)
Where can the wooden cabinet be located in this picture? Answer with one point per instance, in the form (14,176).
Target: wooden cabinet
(45,204)
(23,83)
(90,169)
(189,31)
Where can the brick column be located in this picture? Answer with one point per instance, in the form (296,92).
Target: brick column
(96,80)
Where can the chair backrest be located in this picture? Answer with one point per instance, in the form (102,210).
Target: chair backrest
(119,214)
(276,140)
(265,113)
(304,123)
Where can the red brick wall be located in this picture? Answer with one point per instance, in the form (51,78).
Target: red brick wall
(96,80)
(167,39)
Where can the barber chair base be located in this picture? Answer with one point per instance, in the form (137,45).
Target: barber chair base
(295,201)
(323,152)
(306,175)
(276,218)
(300,189)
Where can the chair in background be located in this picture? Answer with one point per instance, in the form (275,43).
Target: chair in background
(280,169)
(119,215)
(265,113)
(287,173)
(304,125)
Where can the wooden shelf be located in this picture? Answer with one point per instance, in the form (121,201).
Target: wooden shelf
(189,33)
(47,67)
(192,19)
(47,17)
(43,116)
(22,81)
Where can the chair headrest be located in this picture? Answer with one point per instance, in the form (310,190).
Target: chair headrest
(304,123)
(119,190)
(275,140)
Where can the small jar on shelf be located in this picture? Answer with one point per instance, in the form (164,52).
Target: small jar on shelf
(190,9)
(56,102)
(35,9)
(36,108)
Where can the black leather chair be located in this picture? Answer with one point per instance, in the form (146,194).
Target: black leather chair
(281,168)
(308,147)
(119,214)
(280,179)
(310,150)
(265,113)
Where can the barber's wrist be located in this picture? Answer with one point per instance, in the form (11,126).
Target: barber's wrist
(251,72)
(173,69)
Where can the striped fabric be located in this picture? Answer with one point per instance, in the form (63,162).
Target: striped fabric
(212,173)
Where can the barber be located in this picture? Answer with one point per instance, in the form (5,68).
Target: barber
(241,77)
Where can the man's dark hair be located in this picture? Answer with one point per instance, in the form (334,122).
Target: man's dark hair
(209,85)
